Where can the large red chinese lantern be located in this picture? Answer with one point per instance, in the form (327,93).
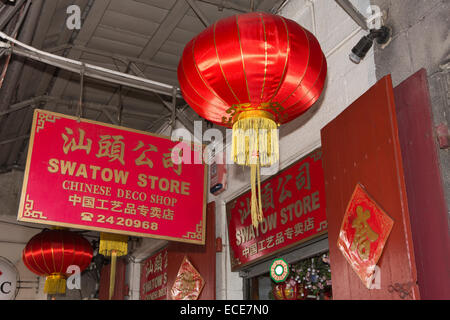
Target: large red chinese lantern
(253,72)
(51,252)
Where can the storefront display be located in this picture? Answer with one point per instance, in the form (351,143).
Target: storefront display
(309,279)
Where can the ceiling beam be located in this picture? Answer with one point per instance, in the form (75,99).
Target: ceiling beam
(199,12)
(164,30)
(90,25)
(10,11)
(112,55)
(93,71)
(220,4)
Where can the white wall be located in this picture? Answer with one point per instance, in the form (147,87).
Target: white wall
(337,34)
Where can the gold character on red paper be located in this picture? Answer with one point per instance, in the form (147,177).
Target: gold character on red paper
(143,159)
(364,234)
(114,149)
(158,263)
(168,161)
(72,145)
(284,193)
(244,209)
(303,179)
(267,197)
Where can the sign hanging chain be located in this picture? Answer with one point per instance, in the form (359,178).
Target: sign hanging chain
(80,102)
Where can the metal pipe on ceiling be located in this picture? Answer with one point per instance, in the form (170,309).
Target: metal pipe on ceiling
(91,70)
(353,13)
(15,68)
(10,12)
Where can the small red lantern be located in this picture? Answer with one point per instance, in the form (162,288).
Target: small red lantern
(51,252)
(253,72)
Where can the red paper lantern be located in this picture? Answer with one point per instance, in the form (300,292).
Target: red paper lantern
(51,252)
(252,71)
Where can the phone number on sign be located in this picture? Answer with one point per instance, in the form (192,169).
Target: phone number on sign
(120,221)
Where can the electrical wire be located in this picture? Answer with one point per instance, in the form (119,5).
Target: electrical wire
(90,69)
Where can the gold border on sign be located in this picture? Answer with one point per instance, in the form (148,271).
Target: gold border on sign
(23,197)
(29,209)
(43,118)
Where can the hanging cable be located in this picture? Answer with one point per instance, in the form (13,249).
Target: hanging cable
(80,104)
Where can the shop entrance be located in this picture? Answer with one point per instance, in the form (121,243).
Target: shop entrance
(309,279)
(309,275)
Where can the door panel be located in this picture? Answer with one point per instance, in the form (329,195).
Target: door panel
(426,200)
(362,146)
(202,257)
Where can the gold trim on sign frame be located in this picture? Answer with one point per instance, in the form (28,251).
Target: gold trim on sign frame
(29,212)
(43,118)
(21,217)
(197,234)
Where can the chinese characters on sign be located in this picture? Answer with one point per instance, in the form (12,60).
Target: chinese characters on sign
(107,178)
(293,204)
(363,234)
(154,277)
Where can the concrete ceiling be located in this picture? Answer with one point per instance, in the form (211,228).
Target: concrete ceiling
(142,37)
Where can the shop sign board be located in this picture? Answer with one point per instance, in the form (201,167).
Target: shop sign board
(90,175)
(8,280)
(154,276)
(293,204)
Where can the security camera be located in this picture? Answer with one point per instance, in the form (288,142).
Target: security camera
(382,36)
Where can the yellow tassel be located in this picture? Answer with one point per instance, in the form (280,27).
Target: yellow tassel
(55,284)
(113,245)
(113,242)
(255,144)
(255,140)
(112,275)
(256,206)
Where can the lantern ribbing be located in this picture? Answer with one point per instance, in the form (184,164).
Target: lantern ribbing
(253,72)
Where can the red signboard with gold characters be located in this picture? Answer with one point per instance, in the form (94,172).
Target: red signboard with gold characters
(90,175)
(293,204)
(363,234)
(154,276)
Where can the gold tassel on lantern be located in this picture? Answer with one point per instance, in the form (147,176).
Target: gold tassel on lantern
(255,144)
(55,284)
(113,245)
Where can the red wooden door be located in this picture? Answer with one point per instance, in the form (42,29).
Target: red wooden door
(203,258)
(362,146)
(119,286)
(426,200)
